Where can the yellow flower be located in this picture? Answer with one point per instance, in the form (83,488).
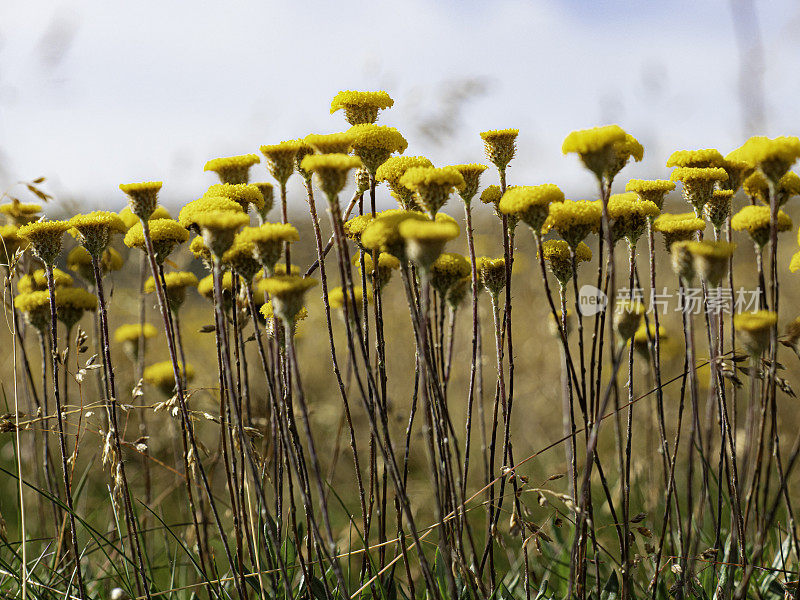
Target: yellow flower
(354,227)
(280,159)
(332,143)
(19,213)
(433,186)
(165,234)
(374,144)
(754,329)
(268,242)
(45,237)
(629,216)
(472,174)
(530,203)
(176,284)
(756,221)
(756,186)
(737,170)
(80,261)
(219,229)
(624,150)
(243,193)
(131,219)
(232,169)
(596,147)
(361,107)
(71,303)
(268,194)
(162,376)
(133,331)
(707,157)
(627,317)
(492,274)
(774,157)
(189,213)
(393,169)
(653,190)
(711,259)
(142,197)
(559,256)
(205,287)
(573,220)
(35,308)
(641,338)
(457,293)
(95,229)
(680,227)
(287,292)
(492,195)
(446,270)
(426,239)
(698,184)
(10,242)
(382,233)
(386,264)
(794,264)
(500,146)
(331,171)
(240,257)
(718,208)
(303,151)
(37,281)
(336,297)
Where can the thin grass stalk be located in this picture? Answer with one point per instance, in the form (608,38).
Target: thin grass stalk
(47,461)
(111,403)
(51,288)
(474,358)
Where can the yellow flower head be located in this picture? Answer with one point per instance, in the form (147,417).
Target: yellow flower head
(71,303)
(386,264)
(287,292)
(18,213)
(573,220)
(382,233)
(45,238)
(711,259)
(652,190)
(500,145)
(10,242)
(37,281)
(756,186)
(131,219)
(281,159)
(641,339)
(374,144)
(268,241)
(426,239)
(707,157)
(132,332)
(354,227)
(471,173)
(774,157)
(95,229)
(336,297)
(559,256)
(794,264)
(332,143)
(232,169)
(219,228)
(596,147)
(627,317)
(361,107)
(189,213)
(240,257)
(530,203)
(698,184)
(35,308)
(393,169)
(754,329)
(629,216)
(756,221)
(737,170)
(166,235)
(492,274)
(80,261)
(243,193)
(268,194)
(205,288)
(162,375)
(303,151)
(142,197)
(680,227)
(627,149)
(492,195)
(176,284)
(331,171)
(446,270)
(718,208)
(433,186)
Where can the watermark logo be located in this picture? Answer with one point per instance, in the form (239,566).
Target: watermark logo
(591,300)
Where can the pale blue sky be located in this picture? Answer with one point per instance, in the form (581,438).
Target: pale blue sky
(94,93)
